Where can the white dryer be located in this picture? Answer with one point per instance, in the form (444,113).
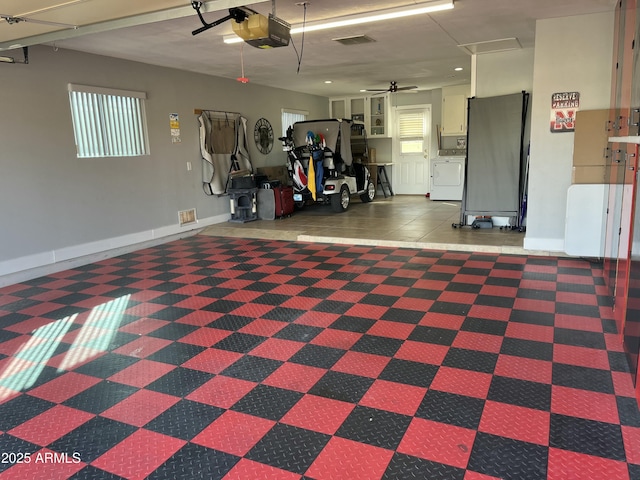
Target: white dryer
(447,175)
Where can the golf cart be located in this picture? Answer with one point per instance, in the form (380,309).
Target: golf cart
(320,163)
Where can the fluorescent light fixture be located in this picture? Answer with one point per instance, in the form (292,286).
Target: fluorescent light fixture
(375,16)
(25,52)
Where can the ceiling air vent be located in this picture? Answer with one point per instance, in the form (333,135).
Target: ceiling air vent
(491,46)
(354,40)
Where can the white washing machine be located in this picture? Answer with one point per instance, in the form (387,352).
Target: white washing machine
(447,175)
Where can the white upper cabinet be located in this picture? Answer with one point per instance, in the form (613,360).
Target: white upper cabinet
(372,111)
(454,110)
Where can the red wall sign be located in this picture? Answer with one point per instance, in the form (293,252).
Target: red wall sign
(564,106)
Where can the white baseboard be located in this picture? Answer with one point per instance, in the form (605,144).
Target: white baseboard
(546,244)
(45,263)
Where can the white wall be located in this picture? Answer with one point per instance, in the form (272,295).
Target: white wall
(571,54)
(504,73)
(55,206)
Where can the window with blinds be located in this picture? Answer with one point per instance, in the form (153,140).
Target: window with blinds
(107,122)
(289,117)
(411,132)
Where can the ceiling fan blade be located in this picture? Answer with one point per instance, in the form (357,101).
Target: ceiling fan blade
(393,88)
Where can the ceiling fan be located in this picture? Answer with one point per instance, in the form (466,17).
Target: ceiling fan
(393,88)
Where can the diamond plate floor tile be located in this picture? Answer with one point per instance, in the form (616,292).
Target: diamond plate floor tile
(317,356)
(239,342)
(582,378)
(253,369)
(195,462)
(471,360)
(566,464)
(353,324)
(106,366)
(289,448)
(349,361)
(520,392)
(99,397)
(452,409)
(375,427)
(92,473)
(579,338)
(480,325)
(185,419)
(10,444)
(628,411)
(268,402)
(508,459)
(377,345)
(438,336)
(176,353)
(20,409)
(408,372)
(342,386)
(93,438)
(343,458)
(409,467)
(527,348)
(587,436)
(173,331)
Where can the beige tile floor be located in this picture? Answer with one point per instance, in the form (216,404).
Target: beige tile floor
(400,220)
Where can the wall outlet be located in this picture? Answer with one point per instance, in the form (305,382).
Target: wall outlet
(188,166)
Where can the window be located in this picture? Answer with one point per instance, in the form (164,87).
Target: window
(107,122)
(289,117)
(411,132)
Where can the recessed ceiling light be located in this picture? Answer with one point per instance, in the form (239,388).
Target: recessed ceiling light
(458,69)
(328,81)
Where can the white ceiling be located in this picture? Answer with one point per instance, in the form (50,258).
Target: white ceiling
(421,50)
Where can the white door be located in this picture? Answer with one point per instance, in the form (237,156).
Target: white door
(410,174)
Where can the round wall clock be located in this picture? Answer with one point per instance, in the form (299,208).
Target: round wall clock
(263,136)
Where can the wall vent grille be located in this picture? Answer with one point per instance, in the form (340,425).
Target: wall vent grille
(187,217)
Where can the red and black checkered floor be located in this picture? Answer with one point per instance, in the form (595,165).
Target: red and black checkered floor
(252,359)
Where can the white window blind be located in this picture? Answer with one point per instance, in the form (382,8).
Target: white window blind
(107,122)
(411,125)
(411,131)
(289,117)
